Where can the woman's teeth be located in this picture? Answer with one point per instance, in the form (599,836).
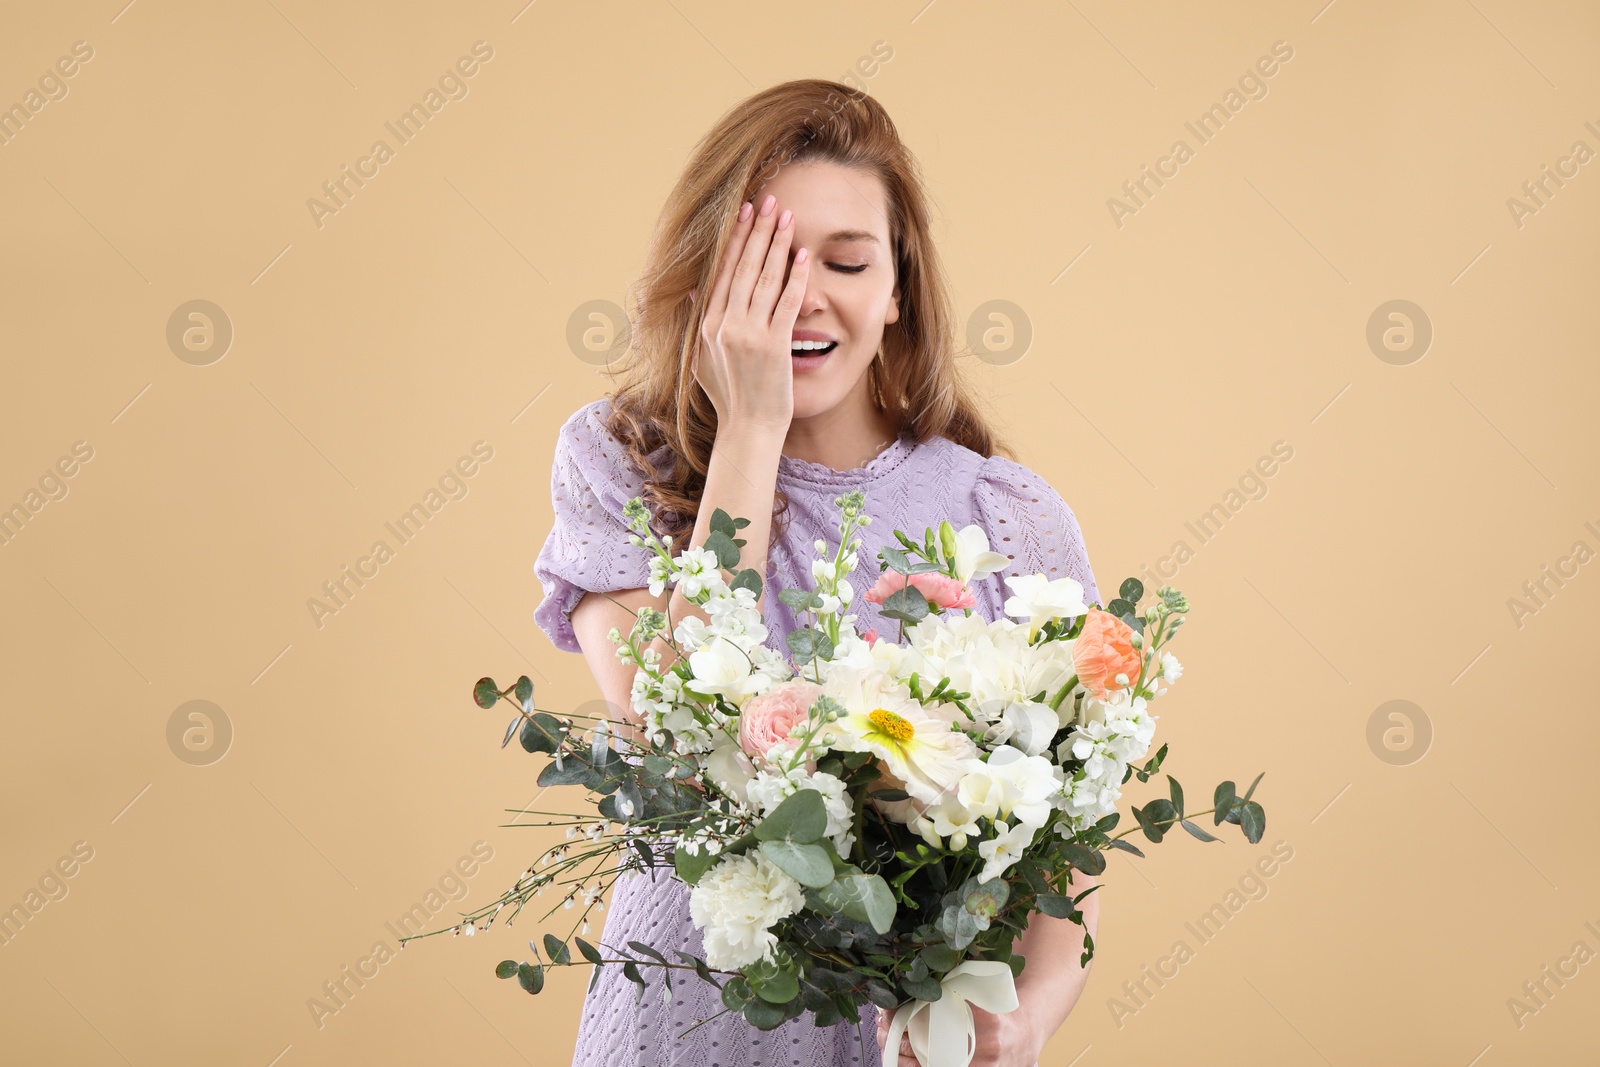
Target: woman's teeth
(812,348)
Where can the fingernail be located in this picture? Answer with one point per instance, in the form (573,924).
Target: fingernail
(745,209)
(766,205)
(801,256)
(783,219)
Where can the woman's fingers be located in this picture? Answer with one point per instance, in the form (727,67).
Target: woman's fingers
(749,265)
(764,298)
(788,308)
(730,258)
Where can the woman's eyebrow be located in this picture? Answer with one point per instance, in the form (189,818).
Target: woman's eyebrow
(846,236)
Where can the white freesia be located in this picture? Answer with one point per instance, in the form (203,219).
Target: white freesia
(1039,599)
(973,559)
(1009,785)
(736,903)
(950,818)
(723,667)
(1004,850)
(1027,725)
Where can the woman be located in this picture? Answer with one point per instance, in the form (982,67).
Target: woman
(768,398)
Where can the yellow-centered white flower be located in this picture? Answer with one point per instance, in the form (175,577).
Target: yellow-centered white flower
(882,718)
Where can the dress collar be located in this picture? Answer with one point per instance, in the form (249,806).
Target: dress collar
(889,459)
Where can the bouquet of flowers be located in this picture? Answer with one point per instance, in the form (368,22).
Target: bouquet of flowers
(864,819)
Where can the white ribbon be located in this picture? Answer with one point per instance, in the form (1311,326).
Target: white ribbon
(942,1031)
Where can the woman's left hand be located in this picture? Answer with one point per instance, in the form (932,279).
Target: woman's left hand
(1006,1040)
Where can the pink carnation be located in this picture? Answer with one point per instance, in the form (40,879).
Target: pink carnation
(871,636)
(766,719)
(941,590)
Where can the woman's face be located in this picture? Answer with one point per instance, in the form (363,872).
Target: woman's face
(841,215)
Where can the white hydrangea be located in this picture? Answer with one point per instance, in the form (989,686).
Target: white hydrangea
(736,904)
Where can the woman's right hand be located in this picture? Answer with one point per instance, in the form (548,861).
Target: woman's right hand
(743,361)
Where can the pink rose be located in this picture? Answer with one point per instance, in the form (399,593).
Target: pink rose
(941,590)
(766,719)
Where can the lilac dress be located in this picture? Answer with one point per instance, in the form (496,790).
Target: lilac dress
(908,486)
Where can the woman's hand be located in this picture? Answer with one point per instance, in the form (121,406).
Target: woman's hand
(743,361)
(1006,1040)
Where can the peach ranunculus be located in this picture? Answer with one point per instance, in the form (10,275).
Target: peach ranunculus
(1103,650)
(941,590)
(767,718)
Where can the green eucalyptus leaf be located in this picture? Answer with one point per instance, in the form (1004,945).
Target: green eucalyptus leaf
(807,864)
(1054,905)
(505,969)
(862,897)
(531,977)
(1085,859)
(1252,820)
(572,770)
(1151,828)
(691,868)
(896,559)
(721,545)
(1253,785)
(1196,831)
(736,994)
(905,605)
(1132,590)
(763,1015)
(541,733)
(1177,794)
(589,952)
(747,579)
(801,817)
(486,693)
(556,949)
(631,970)
(773,985)
(1222,802)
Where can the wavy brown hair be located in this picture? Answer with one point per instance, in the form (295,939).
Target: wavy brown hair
(659,401)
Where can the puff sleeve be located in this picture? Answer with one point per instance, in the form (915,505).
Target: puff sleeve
(587,548)
(1028,522)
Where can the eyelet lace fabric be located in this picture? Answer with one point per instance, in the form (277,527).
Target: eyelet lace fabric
(910,486)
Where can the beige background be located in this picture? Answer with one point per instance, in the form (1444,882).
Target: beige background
(1170,353)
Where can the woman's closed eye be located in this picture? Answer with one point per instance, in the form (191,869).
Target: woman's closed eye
(844,268)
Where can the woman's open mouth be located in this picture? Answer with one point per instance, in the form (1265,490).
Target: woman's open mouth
(808,354)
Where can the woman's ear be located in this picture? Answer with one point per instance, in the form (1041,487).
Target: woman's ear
(893,314)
